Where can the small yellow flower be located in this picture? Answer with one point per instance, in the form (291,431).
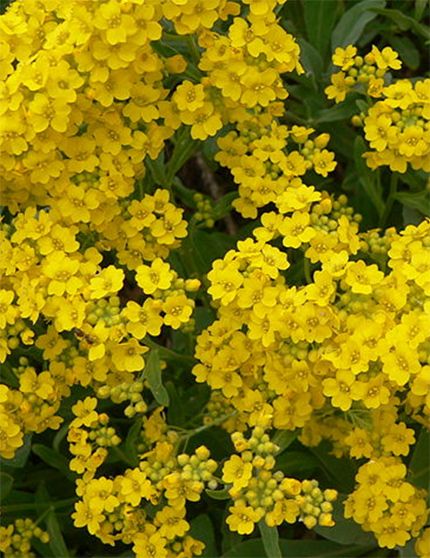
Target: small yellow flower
(344,57)
(156,276)
(362,278)
(242,518)
(128,356)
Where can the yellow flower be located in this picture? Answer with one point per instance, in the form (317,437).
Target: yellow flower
(171,522)
(148,546)
(296,230)
(170,226)
(344,57)
(135,486)
(422,544)
(338,88)
(41,384)
(205,121)
(398,439)
(189,97)
(362,278)
(343,390)
(45,111)
(117,25)
(386,58)
(143,319)
(177,310)
(242,518)
(258,87)
(158,276)
(11,436)
(61,270)
(399,363)
(85,516)
(59,239)
(128,356)
(108,281)
(85,412)
(323,162)
(236,472)
(8,312)
(388,534)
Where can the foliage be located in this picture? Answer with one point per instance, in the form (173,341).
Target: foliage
(215,293)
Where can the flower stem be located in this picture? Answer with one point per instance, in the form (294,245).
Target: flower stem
(391,199)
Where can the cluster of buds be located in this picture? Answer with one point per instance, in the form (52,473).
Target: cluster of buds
(15,539)
(260,492)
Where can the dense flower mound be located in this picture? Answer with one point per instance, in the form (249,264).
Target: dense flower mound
(319,330)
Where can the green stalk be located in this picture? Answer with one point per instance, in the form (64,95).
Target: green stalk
(168,354)
(391,199)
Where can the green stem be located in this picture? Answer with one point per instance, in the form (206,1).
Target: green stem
(307,270)
(168,354)
(32,506)
(122,456)
(44,514)
(195,53)
(391,199)
(270,538)
(184,439)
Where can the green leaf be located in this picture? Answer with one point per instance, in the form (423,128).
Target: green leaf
(202,529)
(403,21)
(224,205)
(340,472)
(345,531)
(248,549)
(218,494)
(184,148)
(411,216)
(362,105)
(56,540)
(408,551)
(296,463)
(416,180)
(201,248)
(185,194)
(157,168)
(132,439)
(270,538)
(284,438)
(367,177)
(6,482)
(341,111)
(419,466)
(351,25)
(320,16)
(408,52)
(53,458)
(152,373)
(420,8)
(296,549)
(419,201)
(59,437)
(312,63)
(21,455)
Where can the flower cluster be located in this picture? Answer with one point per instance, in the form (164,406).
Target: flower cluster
(319,327)
(328,354)
(387,504)
(397,125)
(359,72)
(122,508)
(89,437)
(260,493)
(15,539)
